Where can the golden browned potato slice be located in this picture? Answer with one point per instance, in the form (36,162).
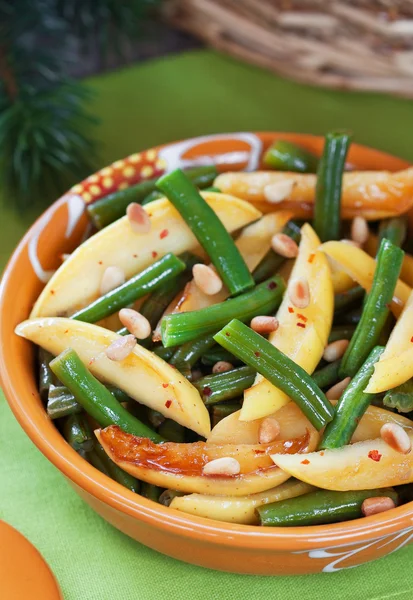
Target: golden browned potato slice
(180,466)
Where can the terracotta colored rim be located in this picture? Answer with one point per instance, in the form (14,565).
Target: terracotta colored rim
(44,435)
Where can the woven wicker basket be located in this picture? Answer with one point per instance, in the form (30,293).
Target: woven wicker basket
(350,44)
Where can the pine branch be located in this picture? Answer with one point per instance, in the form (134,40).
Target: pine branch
(44,143)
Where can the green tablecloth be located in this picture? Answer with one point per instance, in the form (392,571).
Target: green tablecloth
(197,93)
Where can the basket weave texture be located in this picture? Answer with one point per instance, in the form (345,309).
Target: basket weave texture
(350,44)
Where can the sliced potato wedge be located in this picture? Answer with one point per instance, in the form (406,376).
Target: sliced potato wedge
(362,466)
(373,420)
(253,243)
(293,423)
(395,365)
(142,375)
(76,283)
(230,430)
(302,334)
(373,194)
(180,466)
(238,509)
(360,266)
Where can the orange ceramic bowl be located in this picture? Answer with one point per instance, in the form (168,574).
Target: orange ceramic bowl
(235,548)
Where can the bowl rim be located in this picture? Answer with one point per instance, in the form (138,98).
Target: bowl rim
(109,492)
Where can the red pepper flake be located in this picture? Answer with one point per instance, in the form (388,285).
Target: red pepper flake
(206,391)
(272,285)
(66,331)
(163,233)
(302,317)
(154,254)
(92,360)
(305,461)
(168,403)
(257,353)
(100,262)
(301,325)
(322,453)
(165,385)
(374,455)
(259,451)
(311,257)
(411,339)
(290,309)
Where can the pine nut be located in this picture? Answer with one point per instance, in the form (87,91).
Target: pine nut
(284,245)
(222,366)
(335,350)
(359,230)
(278,191)
(264,325)
(374,506)
(222,466)
(112,278)
(269,430)
(136,323)
(121,348)
(335,392)
(299,292)
(138,218)
(206,279)
(396,437)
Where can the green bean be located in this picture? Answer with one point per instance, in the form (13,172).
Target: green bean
(112,470)
(287,156)
(400,397)
(61,402)
(318,508)
(394,230)
(328,375)
(164,353)
(172,431)
(213,188)
(220,411)
(351,317)
(352,405)
(77,433)
(154,195)
(137,286)
(154,306)
(328,187)
(112,207)
(45,374)
(188,354)
(278,369)
(225,386)
(209,231)
(272,261)
(376,308)
(344,300)
(152,492)
(264,299)
(341,332)
(217,354)
(97,462)
(97,401)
